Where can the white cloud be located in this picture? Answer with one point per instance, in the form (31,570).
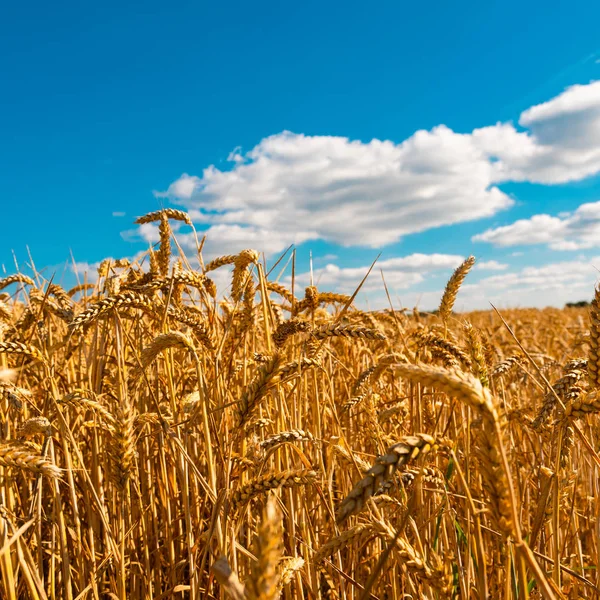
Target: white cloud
(347,192)
(293,187)
(147,231)
(490,265)
(545,276)
(182,188)
(85,271)
(325,258)
(560,146)
(568,231)
(118,213)
(229,239)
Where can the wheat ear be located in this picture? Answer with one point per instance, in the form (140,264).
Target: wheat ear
(452,287)
(271,481)
(20,455)
(396,457)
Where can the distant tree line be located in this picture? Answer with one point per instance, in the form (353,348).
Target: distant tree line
(580,304)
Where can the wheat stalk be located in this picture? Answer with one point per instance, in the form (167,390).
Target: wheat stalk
(263,583)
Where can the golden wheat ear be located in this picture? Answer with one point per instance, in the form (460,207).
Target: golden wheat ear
(452,287)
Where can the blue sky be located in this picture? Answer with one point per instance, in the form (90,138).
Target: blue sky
(104,104)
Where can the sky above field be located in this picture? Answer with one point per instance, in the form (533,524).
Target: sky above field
(423,132)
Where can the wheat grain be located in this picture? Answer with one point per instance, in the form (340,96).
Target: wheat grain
(195,320)
(122,445)
(257,389)
(286,437)
(452,287)
(350,331)
(173,339)
(16,278)
(35,426)
(396,457)
(477,354)
(593,362)
(339,542)
(431,339)
(169,213)
(297,367)
(271,481)
(289,567)
(80,399)
(287,329)
(20,456)
(108,305)
(21,349)
(5,312)
(219,262)
(273,286)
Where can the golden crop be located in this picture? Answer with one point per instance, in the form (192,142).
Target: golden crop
(158,442)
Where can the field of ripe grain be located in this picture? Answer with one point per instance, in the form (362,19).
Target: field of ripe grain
(160,442)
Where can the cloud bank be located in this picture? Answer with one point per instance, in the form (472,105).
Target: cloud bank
(294,188)
(291,188)
(569,231)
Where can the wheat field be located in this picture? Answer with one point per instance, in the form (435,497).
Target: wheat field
(162,442)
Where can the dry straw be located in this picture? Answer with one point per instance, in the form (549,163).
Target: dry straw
(593,362)
(263,583)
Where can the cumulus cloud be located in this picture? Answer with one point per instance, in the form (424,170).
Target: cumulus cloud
(561,143)
(346,192)
(293,187)
(182,188)
(568,231)
(147,232)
